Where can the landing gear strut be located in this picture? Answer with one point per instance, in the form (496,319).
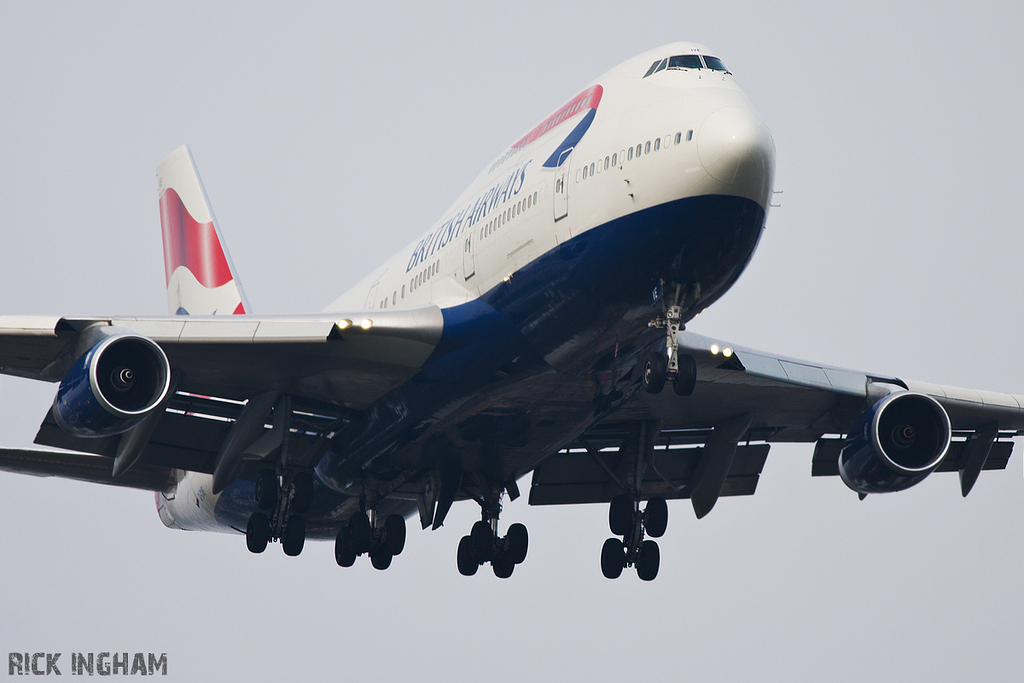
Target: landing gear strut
(670,365)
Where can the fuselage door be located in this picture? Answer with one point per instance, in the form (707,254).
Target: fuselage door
(468,260)
(561,189)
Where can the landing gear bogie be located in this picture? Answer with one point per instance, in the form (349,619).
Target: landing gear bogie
(626,519)
(360,537)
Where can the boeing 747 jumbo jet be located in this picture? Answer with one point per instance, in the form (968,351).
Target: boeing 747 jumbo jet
(538,327)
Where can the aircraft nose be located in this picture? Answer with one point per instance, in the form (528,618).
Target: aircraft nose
(735,148)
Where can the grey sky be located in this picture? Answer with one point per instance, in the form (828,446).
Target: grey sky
(328,136)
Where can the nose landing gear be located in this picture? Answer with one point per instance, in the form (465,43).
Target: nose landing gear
(658,367)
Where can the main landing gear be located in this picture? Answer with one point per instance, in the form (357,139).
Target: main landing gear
(661,366)
(626,520)
(483,544)
(282,501)
(362,535)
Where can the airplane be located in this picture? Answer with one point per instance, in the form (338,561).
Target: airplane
(537,328)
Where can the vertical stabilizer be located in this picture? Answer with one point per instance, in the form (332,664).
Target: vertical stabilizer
(201,280)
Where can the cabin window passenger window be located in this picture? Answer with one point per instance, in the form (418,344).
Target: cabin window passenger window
(607,160)
(534,197)
(647,147)
(394,297)
(584,172)
(689,135)
(679,138)
(657,144)
(615,160)
(591,169)
(639,149)
(629,155)
(403,291)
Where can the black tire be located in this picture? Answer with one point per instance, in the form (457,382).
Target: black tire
(380,558)
(503,566)
(655,367)
(467,563)
(656,517)
(394,534)
(620,515)
(518,543)
(294,536)
(303,497)
(649,561)
(360,534)
(483,541)
(257,532)
(686,381)
(613,558)
(266,490)
(343,553)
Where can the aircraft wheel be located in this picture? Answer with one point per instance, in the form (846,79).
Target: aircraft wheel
(686,381)
(294,536)
(613,558)
(394,534)
(266,490)
(649,561)
(620,515)
(467,563)
(343,553)
(656,517)
(655,367)
(503,566)
(360,534)
(518,543)
(257,532)
(380,558)
(303,496)
(483,541)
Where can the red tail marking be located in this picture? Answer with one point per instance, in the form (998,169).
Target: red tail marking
(192,244)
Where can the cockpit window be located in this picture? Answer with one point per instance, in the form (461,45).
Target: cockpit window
(714,63)
(687,62)
(684,62)
(656,67)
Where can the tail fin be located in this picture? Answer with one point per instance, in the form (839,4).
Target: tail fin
(201,279)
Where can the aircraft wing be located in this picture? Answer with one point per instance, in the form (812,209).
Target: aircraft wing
(744,401)
(350,359)
(328,365)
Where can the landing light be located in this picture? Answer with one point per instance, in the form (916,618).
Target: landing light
(366,323)
(726,352)
(714,349)
(344,324)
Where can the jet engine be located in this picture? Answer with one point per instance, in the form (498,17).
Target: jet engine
(895,444)
(112,387)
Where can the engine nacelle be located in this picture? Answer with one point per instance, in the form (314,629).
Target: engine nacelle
(895,444)
(112,387)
